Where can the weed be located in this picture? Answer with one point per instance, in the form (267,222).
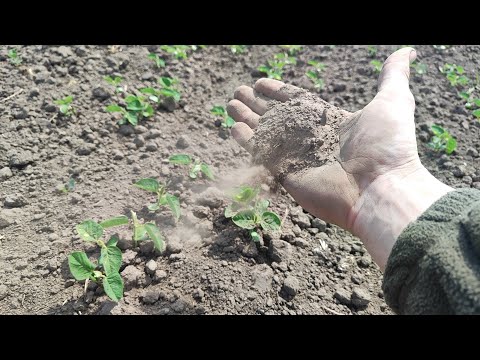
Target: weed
(159,62)
(315,74)
(454,74)
(228,121)
(14,58)
(377,66)
(65,105)
(420,68)
(249,211)
(163,197)
(238,49)
(136,108)
(106,271)
(292,49)
(442,140)
(115,82)
(196,167)
(372,51)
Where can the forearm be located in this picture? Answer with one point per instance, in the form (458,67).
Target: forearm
(391,203)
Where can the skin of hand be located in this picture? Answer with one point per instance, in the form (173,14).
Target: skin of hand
(378,185)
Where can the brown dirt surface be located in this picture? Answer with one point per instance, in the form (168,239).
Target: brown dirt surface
(210,266)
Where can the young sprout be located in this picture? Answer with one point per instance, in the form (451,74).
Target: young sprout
(238,49)
(65,105)
(292,49)
(315,74)
(159,62)
(377,65)
(420,68)
(137,108)
(115,82)
(442,140)
(142,232)
(455,74)
(167,92)
(69,186)
(274,69)
(13,57)
(106,271)
(372,51)
(196,167)
(250,212)
(163,197)
(228,121)
(285,58)
(178,51)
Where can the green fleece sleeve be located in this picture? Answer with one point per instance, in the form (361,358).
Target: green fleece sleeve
(434,267)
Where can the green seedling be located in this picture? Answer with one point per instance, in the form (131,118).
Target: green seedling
(238,49)
(69,186)
(142,232)
(454,74)
(228,121)
(116,83)
(285,58)
(249,211)
(274,69)
(163,197)
(167,90)
(377,66)
(315,74)
(137,108)
(66,107)
(442,140)
(372,51)
(196,166)
(178,51)
(420,68)
(106,271)
(159,62)
(292,49)
(13,57)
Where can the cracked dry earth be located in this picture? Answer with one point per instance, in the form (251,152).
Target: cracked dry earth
(210,266)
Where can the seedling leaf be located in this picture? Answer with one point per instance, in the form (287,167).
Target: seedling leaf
(255,236)
(89,230)
(156,236)
(270,221)
(115,221)
(140,233)
(113,286)
(173,204)
(245,220)
(180,159)
(206,171)
(111,259)
(113,241)
(148,184)
(80,266)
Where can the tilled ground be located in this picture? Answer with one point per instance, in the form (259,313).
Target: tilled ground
(210,266)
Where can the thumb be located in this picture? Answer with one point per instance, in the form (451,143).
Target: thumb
(395,73)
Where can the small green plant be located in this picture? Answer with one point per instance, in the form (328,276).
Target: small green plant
(274,69)
(14,58)
(196,166)
(159,62)
(167,91)
(115,82)
(315,74)
(178,51)
(292,49)
(106,271)
(137,108)
(66,107)
(420,68)
(228,121)
(377,66)
(69,186)
(238,49)
(454,74)
(285,58)
(442,140)
(372,51)
(163,197)
(471,102)
(142,232)
(249,211)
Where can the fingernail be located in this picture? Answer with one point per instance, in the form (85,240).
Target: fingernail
(413,55)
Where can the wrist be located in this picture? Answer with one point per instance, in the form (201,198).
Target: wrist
(389,204)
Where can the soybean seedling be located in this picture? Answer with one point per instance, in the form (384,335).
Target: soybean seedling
(69,186)
(285,58)
(167,90)
(471,102)
(292,49)
(249,211)
(178,51)
(116,83)
(163,197)
(442,140)
(159,62)
(106,271)
(377,65)
(196,166)
(14,58)
(238,49)
(315,74)
(372,51)
(137,108)
(455,74)
(274,69)
(228,121)
(66,107)
(420,68)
